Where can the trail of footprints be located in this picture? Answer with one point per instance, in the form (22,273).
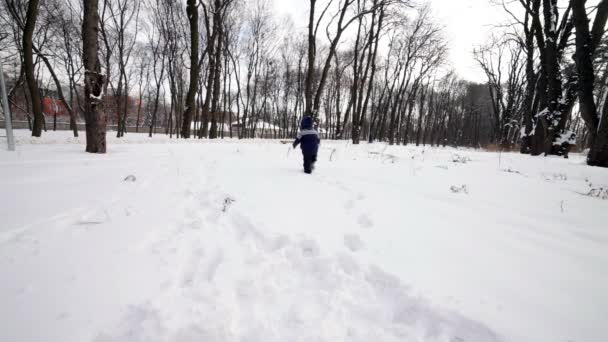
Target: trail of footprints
(222,264)
(352,241)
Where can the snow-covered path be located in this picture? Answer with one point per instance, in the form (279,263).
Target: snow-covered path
(229,241)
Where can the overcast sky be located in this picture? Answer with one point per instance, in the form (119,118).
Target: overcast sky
(467,24)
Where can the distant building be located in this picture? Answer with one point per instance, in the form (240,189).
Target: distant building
(112,104)
(54,107)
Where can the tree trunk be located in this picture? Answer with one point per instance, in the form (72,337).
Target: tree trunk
(192,11)
(551,65)
(598,154)
(156,98)
(217,70)
(410,109)
(311,60)
(529,119)
(28,65)
(598,129)
(94,115)
(204,129)
(421,114)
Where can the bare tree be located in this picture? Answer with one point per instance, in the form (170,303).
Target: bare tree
(124,15)
(341,25)
(503,64)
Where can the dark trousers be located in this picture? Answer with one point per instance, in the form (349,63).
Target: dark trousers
(309,162)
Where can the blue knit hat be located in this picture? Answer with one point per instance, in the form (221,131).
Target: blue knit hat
(306,123)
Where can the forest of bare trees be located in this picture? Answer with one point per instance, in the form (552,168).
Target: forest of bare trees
(547,76)
(366,70)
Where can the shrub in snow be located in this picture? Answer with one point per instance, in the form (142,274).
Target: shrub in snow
(130,178)
(555,176)
(460,159)
(227,202)
(510,170)
(386,157)
(599,193)
(331,156)
(596,191)
(459,189)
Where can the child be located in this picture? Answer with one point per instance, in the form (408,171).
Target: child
(308,138)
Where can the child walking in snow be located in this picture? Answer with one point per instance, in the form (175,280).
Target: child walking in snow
(308,139)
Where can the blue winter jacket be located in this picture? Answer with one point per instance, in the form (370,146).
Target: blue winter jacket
(307,138)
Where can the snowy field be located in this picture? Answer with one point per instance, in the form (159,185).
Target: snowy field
(164,240)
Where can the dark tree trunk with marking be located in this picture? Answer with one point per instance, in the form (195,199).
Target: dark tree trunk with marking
(94,115)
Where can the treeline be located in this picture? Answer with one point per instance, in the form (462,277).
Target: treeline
(547,76)
(367,70)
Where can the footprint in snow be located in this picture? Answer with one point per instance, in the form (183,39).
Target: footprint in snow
(364,221)
(310,248)
(350,204)
(353,242)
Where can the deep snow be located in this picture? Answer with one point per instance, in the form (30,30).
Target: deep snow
(165,240)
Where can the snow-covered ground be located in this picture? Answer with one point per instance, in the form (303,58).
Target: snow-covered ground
(163,240)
